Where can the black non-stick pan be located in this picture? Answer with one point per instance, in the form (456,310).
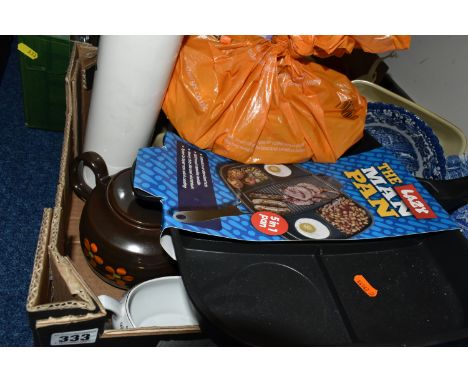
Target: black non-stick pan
(305,293)
(409,290)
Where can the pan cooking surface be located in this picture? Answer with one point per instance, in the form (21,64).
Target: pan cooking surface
(304,293)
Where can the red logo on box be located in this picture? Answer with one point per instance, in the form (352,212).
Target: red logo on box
(270,223)
(418,206)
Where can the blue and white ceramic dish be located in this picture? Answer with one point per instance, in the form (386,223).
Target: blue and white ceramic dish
(457,166)
(409,137)
(415,144)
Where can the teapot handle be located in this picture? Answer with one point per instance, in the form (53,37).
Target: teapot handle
(97,165)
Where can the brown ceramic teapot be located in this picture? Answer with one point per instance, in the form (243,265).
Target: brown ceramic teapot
(119,233)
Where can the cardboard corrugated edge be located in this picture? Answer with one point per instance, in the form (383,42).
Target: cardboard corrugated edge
(173,332)
(48,315)
(40,300)
(44,264)
(71,284)
(87,57)
(38,287)
(66,276)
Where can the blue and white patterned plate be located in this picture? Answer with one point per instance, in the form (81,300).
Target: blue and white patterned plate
(417,147)
(409,137)
(457,166)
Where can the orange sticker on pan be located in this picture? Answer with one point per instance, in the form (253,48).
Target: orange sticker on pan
(366,287)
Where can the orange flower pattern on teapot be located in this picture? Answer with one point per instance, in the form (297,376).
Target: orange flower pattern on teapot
(118,275)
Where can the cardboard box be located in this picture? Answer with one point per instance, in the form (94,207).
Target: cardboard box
(62,303)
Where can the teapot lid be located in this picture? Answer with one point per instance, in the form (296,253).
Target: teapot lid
(123,199)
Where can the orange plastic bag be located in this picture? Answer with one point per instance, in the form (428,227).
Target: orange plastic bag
(251,101)
(338,45)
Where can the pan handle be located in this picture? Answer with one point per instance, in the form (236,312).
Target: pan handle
(451,194)
(201,215)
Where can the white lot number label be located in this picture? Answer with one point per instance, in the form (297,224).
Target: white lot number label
(74,338)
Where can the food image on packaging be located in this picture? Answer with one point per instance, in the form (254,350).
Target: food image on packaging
(282,190)
(311,228)
(345,215)
(283,200)
(277,170)
(306,194)
(241,176)
(268,202)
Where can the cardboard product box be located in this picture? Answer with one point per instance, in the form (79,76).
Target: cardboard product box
(62,303)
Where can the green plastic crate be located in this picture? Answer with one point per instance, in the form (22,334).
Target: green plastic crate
(43,81)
